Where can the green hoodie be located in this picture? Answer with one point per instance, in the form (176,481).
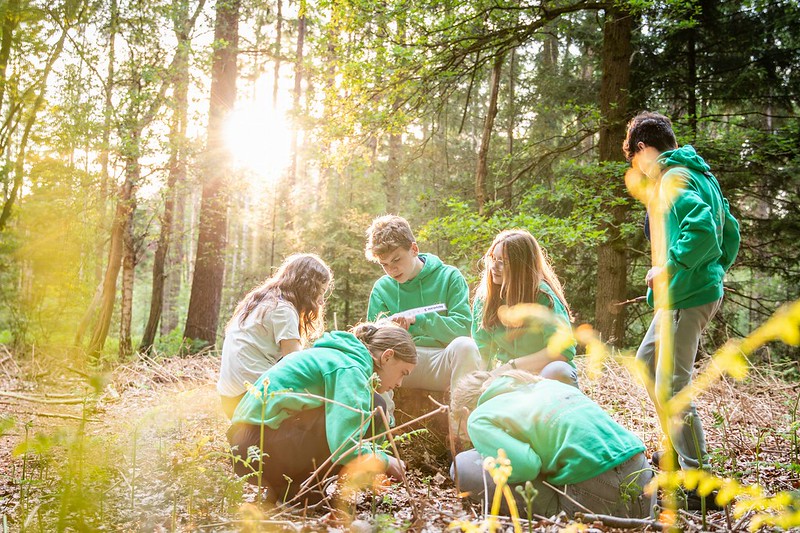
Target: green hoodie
(338,368)
(548,429)
(702,235)
(503,344)
(436,283)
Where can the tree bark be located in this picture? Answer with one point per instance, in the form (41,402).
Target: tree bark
(177,176)
(128,264)
(611,255)
(482,170)
(209,269)
(291,180)
(112,269)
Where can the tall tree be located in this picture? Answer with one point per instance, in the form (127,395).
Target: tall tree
(183,25)
(612,261)
(482,169)
(209,266)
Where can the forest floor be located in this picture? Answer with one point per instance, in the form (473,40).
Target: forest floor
(143,449)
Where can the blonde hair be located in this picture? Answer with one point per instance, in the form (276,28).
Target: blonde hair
(301,280)
(526,266)
(464,397)
(382,336)
(386,234)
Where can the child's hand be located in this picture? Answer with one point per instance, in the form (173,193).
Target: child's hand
(654,273)
(404,322)
(396,469)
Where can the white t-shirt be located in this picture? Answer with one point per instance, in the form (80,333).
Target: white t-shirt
(250,349)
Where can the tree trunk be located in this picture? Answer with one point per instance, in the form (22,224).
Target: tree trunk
(128,264)
(508,192)
(291,180)
(482,171)
(209,267)
(278,37)
(611,255)
(691,63)
(108,111)
(112,269)
(176,177)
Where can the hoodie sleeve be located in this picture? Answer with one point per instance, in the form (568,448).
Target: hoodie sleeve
(457,322)
(376,307)
(731,239)
(347,389)
(697,230)
(483,338)
(488,435)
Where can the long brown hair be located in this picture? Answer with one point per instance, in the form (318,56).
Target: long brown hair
(525,266)
(301,280)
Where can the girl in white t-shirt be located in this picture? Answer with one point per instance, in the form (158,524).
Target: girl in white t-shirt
(273,320)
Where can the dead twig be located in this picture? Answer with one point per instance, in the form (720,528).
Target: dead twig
(619,522)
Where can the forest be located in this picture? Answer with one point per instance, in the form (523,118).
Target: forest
(160,158)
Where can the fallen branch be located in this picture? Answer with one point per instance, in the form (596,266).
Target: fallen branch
(26,398)
(68,417)
(619,522)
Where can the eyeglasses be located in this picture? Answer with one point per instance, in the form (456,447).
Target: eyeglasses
(497,263)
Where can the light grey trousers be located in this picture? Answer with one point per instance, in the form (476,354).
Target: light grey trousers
(686,328)
(617,492)
(439,369)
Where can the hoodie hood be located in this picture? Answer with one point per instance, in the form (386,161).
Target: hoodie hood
(685,156)
(431,264)
(344,342)
(500,386)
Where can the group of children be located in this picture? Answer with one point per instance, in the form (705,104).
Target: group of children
(299,413)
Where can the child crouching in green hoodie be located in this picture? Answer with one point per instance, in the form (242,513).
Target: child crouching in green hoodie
(315,404)
(552,434)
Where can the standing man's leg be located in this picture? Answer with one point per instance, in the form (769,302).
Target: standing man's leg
(687,327)
(688,438)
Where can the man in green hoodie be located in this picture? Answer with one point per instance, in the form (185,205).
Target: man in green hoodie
(694,241)
(415,281)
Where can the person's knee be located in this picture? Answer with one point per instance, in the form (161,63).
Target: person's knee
(467,470)
(465,351)
(561,371)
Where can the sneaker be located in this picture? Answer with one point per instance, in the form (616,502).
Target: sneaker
(657,458)
(689,500)
(694,501)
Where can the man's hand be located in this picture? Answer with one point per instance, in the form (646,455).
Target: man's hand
(654,273)
(404,322)
(396,469)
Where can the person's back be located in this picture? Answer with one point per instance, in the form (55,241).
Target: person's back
(698,259)
(551,434)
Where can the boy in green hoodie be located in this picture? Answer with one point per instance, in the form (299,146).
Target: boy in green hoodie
(414,281)
(695,240)
(550,432)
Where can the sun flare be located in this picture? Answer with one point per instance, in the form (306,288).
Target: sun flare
(258,137)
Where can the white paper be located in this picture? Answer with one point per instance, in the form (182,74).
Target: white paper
(410,313)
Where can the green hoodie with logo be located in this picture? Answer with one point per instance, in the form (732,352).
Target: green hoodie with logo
(338,367)
(505,344)
(702,235)
(436,283)
(548,429)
